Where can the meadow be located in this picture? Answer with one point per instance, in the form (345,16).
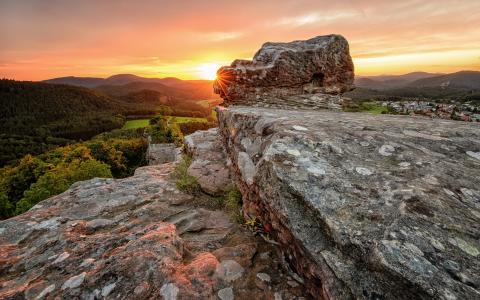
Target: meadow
(133,124)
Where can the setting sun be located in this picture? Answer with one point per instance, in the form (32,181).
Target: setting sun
(208,71)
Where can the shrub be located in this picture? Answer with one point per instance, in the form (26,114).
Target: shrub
(59,179)
(123,155)
(33,179)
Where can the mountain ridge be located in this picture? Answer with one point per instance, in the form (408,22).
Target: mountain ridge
(461,79)
(118,79)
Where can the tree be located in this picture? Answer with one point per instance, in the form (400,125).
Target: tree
(59,180)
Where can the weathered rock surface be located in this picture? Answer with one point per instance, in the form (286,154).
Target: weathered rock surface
(158,154)
(295,74)
(134,238)
(209,164)
(363,206)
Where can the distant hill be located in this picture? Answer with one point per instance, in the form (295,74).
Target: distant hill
(91,82)
(391,81)
(88,82)
(37,116)
(138,86)
(27,106)
(365,82)
(463,79)
(186,89)
(461,86)
(409,77)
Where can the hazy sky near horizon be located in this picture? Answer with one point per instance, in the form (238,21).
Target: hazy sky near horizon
(41,39)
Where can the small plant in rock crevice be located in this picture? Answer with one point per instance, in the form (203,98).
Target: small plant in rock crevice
(183,181)
(233,204)
(255,226)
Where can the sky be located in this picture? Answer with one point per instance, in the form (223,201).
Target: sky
(41,39)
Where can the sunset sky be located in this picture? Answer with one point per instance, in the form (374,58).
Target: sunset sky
(188,39)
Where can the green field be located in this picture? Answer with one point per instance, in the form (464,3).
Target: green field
(140,123)
(369,107)
(179,120)
(374,108)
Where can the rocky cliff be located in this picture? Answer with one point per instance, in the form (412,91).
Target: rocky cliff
(363,206)
(136,238)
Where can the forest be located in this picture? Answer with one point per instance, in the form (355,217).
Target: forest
(37,117)
(52,135)
(34,178)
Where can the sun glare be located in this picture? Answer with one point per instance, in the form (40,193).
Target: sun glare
(208,71)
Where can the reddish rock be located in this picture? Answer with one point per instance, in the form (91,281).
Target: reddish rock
(298,73)
(132,238)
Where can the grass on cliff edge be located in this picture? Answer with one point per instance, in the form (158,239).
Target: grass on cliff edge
(185,182)
(230,201)
(369,107)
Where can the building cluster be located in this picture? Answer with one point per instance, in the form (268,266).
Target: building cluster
(468,112)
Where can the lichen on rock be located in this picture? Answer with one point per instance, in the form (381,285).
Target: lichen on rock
(363,206)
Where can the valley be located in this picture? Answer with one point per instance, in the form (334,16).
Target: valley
(54,134)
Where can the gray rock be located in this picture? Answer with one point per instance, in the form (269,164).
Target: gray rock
(74,282)
(108,289)
(264,277)
(246,167)
(475,155)
(158,154)
(229,270)
(45,292)
(169,291)
(226,294)
(61,257)
(209,161)
(98,223)
(396,223)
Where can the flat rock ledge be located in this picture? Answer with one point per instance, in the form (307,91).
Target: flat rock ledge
(135,238)
(363,206)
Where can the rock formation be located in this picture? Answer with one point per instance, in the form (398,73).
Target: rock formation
(363,206)
(209,164)
(297,74)
(158,154)
(135,238)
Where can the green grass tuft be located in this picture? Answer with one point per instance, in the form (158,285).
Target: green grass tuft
(185,182)
(233,204)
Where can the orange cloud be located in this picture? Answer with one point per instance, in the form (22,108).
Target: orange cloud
(44,39)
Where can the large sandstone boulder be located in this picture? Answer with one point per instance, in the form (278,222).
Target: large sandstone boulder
(290,73)
(363,206)
(209,163)
(134,238)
